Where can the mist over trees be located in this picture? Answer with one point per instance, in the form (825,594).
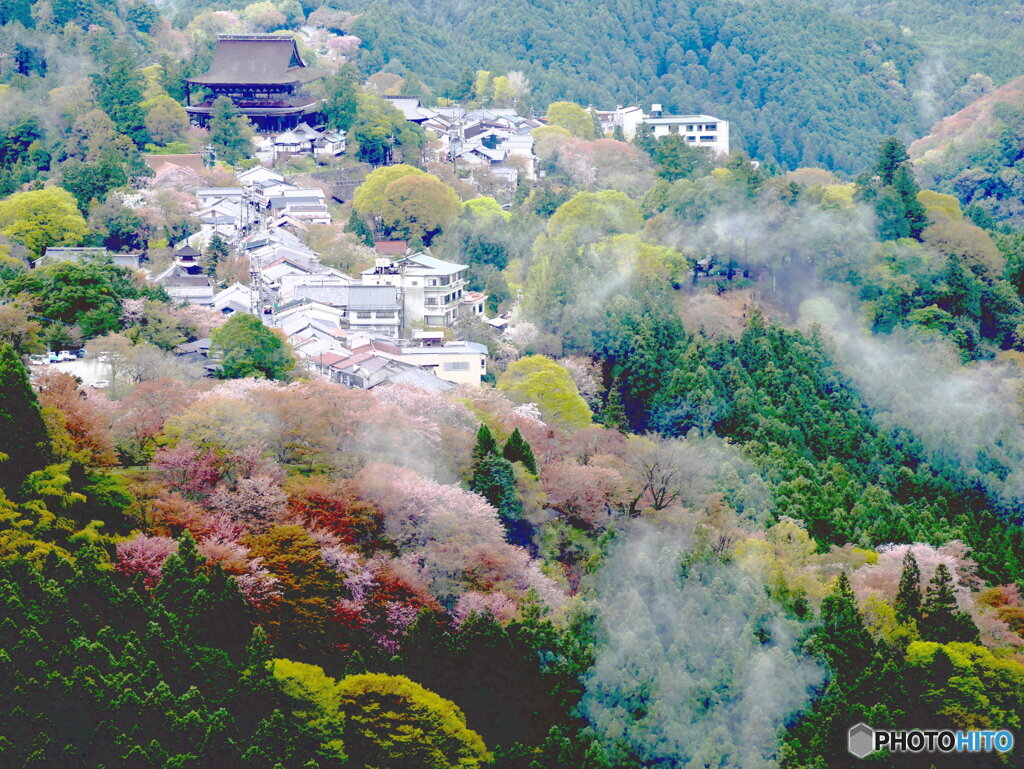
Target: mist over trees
(744,470)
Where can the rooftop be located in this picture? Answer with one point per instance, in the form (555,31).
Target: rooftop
(256,60)
(433,265)
(665,119)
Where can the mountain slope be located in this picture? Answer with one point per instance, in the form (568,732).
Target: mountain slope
(977,152)
(802,84)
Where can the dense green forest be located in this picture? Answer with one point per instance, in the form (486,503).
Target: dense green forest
(747,467)
(803,84)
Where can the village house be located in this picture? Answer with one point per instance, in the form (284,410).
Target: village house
(325,279)
(704,131)
(258,175)
(360,308)
(361,370)
(473,303)
(235,298)
(180,172)
(431,288)
(308,310)
(626,119)
(459,362)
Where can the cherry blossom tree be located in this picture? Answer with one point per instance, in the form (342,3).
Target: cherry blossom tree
(188,470)
(145,555)
(257,502)
(140,416)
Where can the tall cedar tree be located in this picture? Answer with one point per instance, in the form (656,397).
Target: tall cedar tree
(908,597)
(485,444)
(494,479)
(613,415)
(227,132)
(518,450)
(842,640)
(24,442)
(340,102)
(357,226)
(892,155)
(943,621)
(216,252)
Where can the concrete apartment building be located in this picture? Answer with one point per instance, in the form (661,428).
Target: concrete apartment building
(699,130)
(431,288)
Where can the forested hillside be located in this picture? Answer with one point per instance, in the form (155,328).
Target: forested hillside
(742,464)
(975,154)
(800,85)
(803,83)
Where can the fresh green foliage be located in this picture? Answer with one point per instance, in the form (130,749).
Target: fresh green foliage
(377,720)
(248,348)
(42,218)
(418,207)
(540,380)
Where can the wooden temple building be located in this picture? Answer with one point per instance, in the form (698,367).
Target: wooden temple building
(264,76)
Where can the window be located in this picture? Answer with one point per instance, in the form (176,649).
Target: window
(364,314)
(414,283)
(711,127)
(691,138)
(458,365)
(707,138)
(673,129)
(385,314)
(432,282)
(690,127)
(430,301)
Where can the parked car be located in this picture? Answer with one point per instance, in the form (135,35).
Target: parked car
(65,355)
(100,384)
(39,360)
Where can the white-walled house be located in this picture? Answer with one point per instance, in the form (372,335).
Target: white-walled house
(458,362)
(330,144)
(625,118)
(431,288)
(704,131)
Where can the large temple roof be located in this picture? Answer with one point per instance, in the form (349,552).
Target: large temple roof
(256,60)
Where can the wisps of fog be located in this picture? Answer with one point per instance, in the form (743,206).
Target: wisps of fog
(966,417)
(694,665)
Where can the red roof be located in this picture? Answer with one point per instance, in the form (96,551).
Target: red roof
(391,247)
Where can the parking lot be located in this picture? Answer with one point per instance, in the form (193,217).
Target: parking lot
(90,370)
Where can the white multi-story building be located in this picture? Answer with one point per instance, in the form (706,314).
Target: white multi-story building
(699,130)
(431,288)
(625,118)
